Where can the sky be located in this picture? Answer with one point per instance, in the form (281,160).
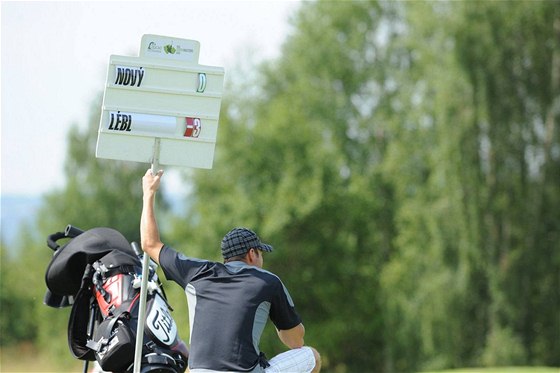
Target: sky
(54,59)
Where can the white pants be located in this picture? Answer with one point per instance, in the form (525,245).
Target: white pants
(297,360)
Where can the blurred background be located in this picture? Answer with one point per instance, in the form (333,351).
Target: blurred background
(402,157)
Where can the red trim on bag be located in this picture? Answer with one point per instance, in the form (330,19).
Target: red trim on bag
(133,301)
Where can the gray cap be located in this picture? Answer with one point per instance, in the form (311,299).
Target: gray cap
(239,240)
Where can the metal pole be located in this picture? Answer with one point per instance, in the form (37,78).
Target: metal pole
(144,285)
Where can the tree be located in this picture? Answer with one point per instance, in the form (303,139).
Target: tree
(425,279)
(14,300)
(298,168)
(465,157)
(393,158)
(516,88)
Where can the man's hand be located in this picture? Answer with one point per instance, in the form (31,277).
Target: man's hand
(150,182)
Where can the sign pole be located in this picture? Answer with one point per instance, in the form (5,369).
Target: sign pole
(144,285)
(155,159)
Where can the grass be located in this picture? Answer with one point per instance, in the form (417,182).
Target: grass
(501,370)
(26,358)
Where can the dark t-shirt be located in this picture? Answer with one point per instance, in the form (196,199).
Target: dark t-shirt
(229,305)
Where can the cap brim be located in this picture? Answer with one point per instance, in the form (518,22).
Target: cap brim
(265,247)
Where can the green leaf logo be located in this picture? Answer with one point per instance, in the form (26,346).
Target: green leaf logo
(169,49)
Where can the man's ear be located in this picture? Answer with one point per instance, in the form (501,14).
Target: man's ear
(253,255)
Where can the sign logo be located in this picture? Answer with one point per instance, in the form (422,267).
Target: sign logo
(154,47)
(131,76)
(194,125)
(169,49)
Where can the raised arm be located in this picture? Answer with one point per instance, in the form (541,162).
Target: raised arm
(149,233)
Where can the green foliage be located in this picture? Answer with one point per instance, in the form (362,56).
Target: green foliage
(503,348)
(514,90)
(393,155)
(310,198)
(17,323)
(22,286)
(466,206)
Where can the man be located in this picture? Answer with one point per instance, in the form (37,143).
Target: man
(229,303)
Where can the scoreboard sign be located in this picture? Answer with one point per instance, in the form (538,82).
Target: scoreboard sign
(162,105)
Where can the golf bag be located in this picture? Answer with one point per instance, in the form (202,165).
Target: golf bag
(98,273)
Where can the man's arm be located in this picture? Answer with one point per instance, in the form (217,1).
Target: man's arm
(293,338)
(149,233)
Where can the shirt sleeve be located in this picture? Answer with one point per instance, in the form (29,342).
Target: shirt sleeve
(282,311)
(179,268)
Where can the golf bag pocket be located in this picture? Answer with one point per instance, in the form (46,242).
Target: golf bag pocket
(114,343)
(160,325)
(113,282)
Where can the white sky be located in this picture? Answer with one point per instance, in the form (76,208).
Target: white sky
(55,57)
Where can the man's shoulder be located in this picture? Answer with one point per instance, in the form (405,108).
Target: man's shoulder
(265,272)
(170,258)
(267,276)
(168,250)
(238,267)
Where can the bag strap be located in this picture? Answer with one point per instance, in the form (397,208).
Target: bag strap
(79,319)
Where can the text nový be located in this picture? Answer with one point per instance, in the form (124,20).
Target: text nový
(129,76)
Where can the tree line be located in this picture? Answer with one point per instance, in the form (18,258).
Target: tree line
(404,160)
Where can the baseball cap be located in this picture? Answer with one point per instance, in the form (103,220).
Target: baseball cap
(239,240)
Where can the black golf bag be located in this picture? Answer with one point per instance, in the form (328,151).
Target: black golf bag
(98,273)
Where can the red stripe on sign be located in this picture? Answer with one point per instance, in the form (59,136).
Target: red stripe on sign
(194,125)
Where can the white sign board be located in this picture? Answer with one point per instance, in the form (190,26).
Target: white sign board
(161,102)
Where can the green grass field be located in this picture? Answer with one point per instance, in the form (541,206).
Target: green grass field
(502,370)
(25,358)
